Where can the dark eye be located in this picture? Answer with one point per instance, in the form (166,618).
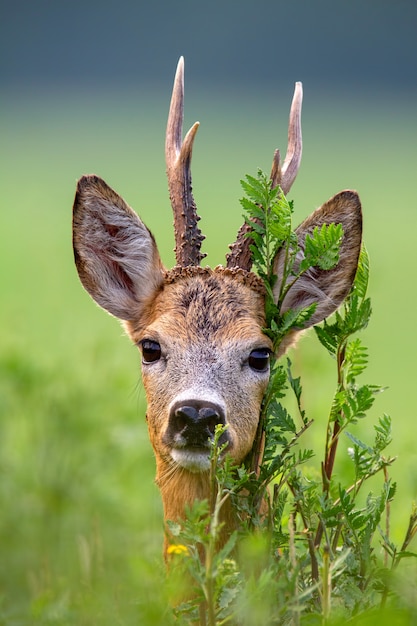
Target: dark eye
(151,351)
(259,359)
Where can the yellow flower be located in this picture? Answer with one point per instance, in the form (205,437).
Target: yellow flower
(177,548)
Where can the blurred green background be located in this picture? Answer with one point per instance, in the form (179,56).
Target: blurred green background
(85,88)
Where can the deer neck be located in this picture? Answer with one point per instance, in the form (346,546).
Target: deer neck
(180,489)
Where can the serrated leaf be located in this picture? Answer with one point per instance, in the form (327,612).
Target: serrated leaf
(360,284)
(360,444)
(294,318)
(254,189)
(406,553)
(355,361)
(295,384)
(322,247)
(328,337)
(357,313)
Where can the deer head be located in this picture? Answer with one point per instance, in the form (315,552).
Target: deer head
(205,359)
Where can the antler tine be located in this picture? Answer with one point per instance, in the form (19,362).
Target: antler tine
(240,254)
(286,175)
(188,237)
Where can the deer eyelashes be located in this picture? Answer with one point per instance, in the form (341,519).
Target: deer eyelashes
(259,359)
(151,351)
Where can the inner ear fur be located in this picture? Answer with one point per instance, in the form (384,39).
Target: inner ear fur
(115,253)
(328,288)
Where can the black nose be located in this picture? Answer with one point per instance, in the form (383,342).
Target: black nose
(194,422)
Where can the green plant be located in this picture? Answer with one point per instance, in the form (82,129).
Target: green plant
(307,547)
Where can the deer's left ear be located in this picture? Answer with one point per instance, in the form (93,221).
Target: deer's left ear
(327,288)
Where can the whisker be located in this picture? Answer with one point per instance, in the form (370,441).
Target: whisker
(167,477)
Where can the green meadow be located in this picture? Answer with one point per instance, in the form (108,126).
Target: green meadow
(80,517)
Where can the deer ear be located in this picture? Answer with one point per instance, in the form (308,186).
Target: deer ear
(116,255)
(328,288)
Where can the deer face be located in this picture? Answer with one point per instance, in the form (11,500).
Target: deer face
(205,361)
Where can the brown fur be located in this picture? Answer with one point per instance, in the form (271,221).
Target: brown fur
(206,322)
(217,321)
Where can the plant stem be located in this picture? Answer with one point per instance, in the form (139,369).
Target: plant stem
(293,561)
(258,448)
(209,586)
(326,584)
(330,454)
(217,499)
(331,442)
(202,613)
(387,516)
(311,544)
(411,532)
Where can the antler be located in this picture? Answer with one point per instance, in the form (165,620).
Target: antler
(240,255)
(188,237)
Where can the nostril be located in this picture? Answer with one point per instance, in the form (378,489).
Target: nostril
(184,417)
(194,421)
(210,418)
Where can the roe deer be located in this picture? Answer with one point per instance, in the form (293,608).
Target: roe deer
(205,359)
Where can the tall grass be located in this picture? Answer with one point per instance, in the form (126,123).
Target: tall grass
(80,517)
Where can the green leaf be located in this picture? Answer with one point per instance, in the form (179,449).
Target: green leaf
(360,285)
(328,335)
(383,433)
(357,313)
(406,553)
(295,384)
(322,247)
(355,361)
(294,318)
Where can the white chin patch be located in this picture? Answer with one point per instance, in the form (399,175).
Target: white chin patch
(192,460)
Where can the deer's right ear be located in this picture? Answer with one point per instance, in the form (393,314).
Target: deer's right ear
(116,255)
